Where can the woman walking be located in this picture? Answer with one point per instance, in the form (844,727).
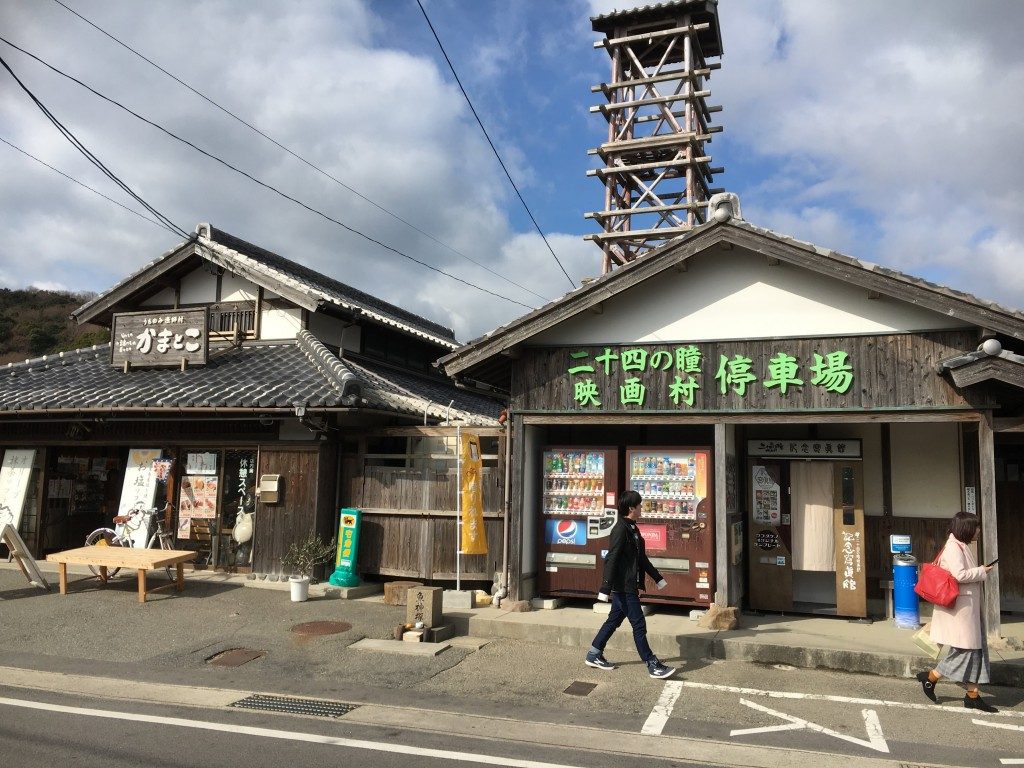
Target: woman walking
(959,625)
(625,568)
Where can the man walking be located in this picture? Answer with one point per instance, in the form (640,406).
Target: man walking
(624,570)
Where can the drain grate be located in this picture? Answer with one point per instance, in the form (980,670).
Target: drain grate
(294,706)
(579,688)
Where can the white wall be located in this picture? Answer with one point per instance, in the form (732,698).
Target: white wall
(735,294)
(164,298)
(280,323)
(198,287)
(926,470)
(235,288)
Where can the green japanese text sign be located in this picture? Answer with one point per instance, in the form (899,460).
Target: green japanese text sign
(348,545)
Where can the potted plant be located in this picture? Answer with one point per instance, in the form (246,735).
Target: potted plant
(301,558)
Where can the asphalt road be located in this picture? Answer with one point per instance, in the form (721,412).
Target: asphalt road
(514,692)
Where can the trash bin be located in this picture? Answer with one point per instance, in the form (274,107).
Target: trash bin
(906,608)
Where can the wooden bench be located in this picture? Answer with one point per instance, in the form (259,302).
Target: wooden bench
(140,560)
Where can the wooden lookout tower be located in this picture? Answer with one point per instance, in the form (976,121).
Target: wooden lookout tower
(656,169)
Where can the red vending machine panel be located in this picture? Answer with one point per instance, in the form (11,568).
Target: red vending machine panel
(577,512)
(677,519)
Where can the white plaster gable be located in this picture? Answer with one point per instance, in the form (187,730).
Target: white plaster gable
(737,294)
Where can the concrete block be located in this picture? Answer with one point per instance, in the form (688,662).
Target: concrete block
(458,600)
(438,634)
(696,613)
(413,636)
(546,603)
(424,604)
(399,646)
(396,592)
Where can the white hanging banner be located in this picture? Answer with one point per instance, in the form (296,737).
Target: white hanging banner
(14,476)
(139,480)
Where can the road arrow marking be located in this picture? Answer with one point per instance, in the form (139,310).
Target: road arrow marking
(875,740)
(663,709)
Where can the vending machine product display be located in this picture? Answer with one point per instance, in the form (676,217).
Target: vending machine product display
(677,520)
(580,485)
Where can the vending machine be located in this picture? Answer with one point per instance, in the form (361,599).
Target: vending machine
(677,519)
(580,486)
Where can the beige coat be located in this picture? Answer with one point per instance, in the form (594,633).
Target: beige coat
(960,624)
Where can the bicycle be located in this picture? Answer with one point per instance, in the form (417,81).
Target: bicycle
(141,528)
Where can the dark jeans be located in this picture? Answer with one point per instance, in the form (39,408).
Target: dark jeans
(625,605)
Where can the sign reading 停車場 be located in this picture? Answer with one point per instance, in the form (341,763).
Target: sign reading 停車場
(159,338)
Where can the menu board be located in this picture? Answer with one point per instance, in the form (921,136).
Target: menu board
(14,476)
(197,501)
(140,480)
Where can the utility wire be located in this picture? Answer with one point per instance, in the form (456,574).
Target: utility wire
(294,154)
(79,183)
(237,170)
(77,144)
(493,148)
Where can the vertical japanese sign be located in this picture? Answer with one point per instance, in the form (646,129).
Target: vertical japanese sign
(348,548)
(139,479)
(474,536)
(14,476)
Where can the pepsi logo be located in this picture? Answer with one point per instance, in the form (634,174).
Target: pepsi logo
(566,529)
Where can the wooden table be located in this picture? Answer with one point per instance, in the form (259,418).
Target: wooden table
(140,560)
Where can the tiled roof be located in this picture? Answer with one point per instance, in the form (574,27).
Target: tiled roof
(261,375)
(273,270)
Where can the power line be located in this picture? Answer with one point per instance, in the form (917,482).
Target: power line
(294,154)
(493,148)
(70,136)
(237,170)
(76,181)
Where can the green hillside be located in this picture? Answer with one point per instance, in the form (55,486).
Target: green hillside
(35,322)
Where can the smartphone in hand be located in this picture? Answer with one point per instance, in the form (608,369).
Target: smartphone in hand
(989,565)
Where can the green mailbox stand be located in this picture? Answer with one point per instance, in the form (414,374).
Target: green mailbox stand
(348,545)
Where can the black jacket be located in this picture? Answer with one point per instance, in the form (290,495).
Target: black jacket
(626,562)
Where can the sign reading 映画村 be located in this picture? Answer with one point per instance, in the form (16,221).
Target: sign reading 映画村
(159,338)
(783,373)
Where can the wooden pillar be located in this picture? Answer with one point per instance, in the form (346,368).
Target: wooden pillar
(986,494)
(721,520)
(516,509)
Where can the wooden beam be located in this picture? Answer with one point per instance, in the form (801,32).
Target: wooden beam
(658,35)
(612,170)
(647,209)
(662,233)
(615,106)
(753,417)
(679,74)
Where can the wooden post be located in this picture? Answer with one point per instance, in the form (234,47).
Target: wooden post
(180,580)
(986,494)
(142,585)
(516,510)
(721,513)
(63,578)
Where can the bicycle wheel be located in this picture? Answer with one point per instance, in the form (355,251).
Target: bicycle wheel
(110,537)
(161,540)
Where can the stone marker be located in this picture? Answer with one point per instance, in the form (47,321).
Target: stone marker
(424,604)
(395,592)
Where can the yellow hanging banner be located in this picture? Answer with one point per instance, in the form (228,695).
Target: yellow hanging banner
(474,537)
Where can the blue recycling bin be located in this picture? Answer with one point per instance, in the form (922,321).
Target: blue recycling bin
(905,603)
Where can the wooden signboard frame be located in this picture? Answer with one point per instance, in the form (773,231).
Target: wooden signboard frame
(19,551)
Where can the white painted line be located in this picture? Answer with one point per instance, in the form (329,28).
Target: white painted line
(663,709)
(1012,760)
(876,740)
(958,709)
(271,733)
(1007,726)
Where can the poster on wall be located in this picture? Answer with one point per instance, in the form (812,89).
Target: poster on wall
(140,480)
(197,501)
(14,476)
(767,505)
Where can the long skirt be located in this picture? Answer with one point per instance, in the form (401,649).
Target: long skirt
(966,665)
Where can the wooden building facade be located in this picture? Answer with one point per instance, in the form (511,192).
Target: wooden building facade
(836,402)
(296,371)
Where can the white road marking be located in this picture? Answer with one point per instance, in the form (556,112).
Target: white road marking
(1012,760)
(663,709)
(1007,726)
(958,709)
(876,740)
(272,733)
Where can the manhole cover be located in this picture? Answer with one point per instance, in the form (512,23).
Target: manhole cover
(295,706)
(316,628)
(579,688)
(235,657)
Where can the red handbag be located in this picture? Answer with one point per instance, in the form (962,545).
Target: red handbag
(937,585)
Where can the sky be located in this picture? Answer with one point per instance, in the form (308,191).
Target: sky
(886,130)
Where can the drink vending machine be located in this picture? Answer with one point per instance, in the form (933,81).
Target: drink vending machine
(580,488)
(677,519)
